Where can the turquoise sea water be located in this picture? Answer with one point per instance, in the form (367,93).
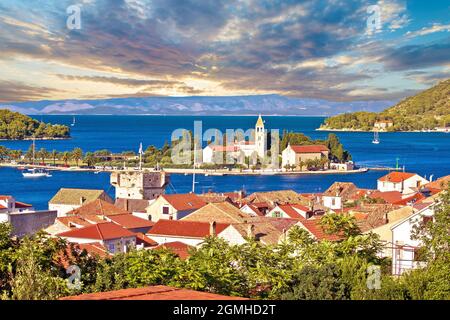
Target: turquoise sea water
(424,153)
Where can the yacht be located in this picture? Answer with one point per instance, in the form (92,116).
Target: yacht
(35,173)
(73,122)
(376,139)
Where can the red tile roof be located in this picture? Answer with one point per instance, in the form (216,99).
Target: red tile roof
(188,229)
(184,202)
(316,229)
(416,197)
(388,196)
(289,209)
(396,176)
(146,241)
(255,209)
(3,207)
(179,248)
(128,221)
(73,221)
(22,205)
(152,293)
(309,149)
(97,207)
(94,249)
(101,231)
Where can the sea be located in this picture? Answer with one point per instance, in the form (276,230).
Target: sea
(426,153)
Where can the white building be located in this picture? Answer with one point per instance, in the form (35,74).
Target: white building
(240,149)
(404,248)
(403,182)
(294,155)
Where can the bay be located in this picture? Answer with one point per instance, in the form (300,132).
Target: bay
(424,153)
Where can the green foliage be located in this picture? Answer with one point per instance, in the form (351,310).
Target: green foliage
(14,125)
(426,110)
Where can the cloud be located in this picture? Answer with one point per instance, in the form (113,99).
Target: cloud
(12,91)
(121,81)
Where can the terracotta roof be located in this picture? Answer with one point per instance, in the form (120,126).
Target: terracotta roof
(73,196)
(416,197)
(184,202)
(73,221)
(97,207)
(396,176)
(387,196)
(291,210)
(314,227)
(439,184)
(179,248)
(309,149)
(146,241)
(255,209)
(101,231)
(341,189)
(23,205)
(185,229)
(3,207)
(132,205)
(3,197)
(279,197)
(223,212)
(94,249)
(152,293)
(128,221)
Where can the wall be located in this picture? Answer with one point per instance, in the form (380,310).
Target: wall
(328,202)
(26,223)
(165,239)
(62,209)
(232,236)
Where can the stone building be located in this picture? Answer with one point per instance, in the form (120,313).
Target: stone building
(145,185)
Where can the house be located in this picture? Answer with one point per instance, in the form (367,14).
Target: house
(267,231)
(23,218)
(251,210)
(216,153)
(295,155)
(232,197)
(223,212)
(316,231)
(173,207)
(436,186)
(272,198)
(338,194)
(403,182)
(179,248)
(405,249)
(97,207)
(67,199)
(191,233)
(131,223)
(383,124)
(152,293)
(293,211)
(110,235)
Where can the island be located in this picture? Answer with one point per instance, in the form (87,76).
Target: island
(17,126)
(427,111)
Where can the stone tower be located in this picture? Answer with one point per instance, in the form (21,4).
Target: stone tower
(145,185)
(260,138)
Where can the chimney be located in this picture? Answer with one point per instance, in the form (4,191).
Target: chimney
(250,230)
(212,229)
(82,200)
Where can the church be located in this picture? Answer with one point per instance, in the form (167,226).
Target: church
(247,148)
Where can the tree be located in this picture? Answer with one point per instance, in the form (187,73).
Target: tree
(54,156)
(42,154)
(65,157)
(340,224)
(77,155)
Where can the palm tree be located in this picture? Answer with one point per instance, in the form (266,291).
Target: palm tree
(42,154)
(77,155)
(54,155)
(301,165)
(65,157)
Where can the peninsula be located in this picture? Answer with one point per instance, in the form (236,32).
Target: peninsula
(426,111)
(16,126)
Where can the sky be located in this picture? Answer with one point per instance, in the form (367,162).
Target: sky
(340,50)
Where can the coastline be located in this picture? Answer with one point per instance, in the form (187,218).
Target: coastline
(37,139)
(191,171)
(381,131)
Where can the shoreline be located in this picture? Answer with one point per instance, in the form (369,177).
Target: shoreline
(380,131)
(196,171)
(37,139)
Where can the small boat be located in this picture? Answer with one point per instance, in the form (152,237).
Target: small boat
(376,139)
(73,122)
(36,173)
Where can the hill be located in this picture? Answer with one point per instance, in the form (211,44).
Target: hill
(15,126)
(425,111)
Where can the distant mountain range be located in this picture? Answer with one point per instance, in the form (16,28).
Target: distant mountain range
(226,105)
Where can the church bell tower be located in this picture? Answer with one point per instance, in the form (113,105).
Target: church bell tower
(260,138)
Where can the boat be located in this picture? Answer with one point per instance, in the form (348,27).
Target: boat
(376,139)
(73,122)
(35,173)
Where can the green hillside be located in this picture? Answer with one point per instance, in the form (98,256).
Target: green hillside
(426,110)
(14,125)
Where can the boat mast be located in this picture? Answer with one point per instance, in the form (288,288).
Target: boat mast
(193,174)
(34,148)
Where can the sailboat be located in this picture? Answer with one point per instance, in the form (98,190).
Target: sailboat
(35,172)
(73,122)
(376,139)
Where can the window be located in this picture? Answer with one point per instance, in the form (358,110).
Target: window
(276,214)
(333,202)
(165,210)
(111,247)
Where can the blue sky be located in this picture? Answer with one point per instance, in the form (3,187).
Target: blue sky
(315,49)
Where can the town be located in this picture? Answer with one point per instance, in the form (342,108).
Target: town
(144,217)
